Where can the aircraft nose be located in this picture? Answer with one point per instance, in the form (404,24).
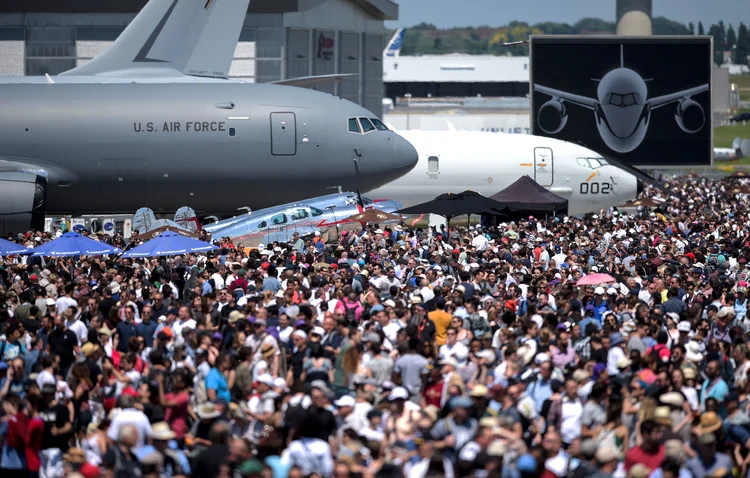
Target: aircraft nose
(406,155)
(639,183)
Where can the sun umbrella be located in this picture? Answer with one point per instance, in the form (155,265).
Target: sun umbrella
(451,205)
(8,248)
(74,244)
(738,175)
(372,216)
(595,279)
(169,243)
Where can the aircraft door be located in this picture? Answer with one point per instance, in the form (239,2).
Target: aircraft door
(283,134)
(543,166)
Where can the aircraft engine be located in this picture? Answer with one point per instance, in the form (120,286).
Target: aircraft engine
(552,116)
(690,116)
(23,201)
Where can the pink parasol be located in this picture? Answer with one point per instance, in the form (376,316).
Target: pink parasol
(595,279)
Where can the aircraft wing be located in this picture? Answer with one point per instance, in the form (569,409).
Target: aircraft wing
(307,81)
(579,100)
(660,101)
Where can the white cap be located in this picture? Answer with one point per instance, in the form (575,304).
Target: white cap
(379,231)
(399,393)
(319,331)
(345,401)
(541,358)
(389,303)
(265,378)
(612,291)
(449,361)
(684,326)
(599,291)
(162,318)
(538,320)
(279,382)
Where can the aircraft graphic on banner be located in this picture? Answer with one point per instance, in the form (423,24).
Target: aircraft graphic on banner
(622,108)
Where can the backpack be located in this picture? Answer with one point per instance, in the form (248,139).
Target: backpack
(350,314)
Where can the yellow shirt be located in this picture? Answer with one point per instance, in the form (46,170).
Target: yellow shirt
(442,321)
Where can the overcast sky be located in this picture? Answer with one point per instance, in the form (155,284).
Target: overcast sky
(451,13)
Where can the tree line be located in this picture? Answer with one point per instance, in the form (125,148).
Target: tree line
(427,39)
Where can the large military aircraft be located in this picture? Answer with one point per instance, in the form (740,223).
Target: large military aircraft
(622,108)
(454,161)
(110,135)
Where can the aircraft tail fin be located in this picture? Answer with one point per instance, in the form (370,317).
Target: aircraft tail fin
(168,37)
(394,46)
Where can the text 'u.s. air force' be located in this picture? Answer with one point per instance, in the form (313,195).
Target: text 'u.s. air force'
(180,127)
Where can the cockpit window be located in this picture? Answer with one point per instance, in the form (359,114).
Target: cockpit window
(593,163)
(315,211)
(262,225)
(299,214)
(366,201)
(278,219)
(379,124)
(353,125)
(629,99)
(366,125)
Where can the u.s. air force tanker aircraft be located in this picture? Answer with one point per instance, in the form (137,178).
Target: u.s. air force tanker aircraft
(133,126)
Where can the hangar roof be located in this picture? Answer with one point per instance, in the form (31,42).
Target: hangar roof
(458,68)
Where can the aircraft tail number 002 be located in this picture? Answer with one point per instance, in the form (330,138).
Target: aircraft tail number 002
(596,188)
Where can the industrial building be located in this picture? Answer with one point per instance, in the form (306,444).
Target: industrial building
(281,39)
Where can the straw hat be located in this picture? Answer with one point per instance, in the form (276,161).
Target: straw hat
(710,422)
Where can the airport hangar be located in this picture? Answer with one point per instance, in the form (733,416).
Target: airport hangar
(280,39)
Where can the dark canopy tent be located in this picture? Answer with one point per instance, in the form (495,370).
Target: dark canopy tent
(526,197)
(451,205)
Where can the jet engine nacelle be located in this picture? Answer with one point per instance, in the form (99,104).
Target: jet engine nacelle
(690,116)
(552,116)
(22,202)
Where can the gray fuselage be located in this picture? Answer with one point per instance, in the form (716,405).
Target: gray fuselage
(215,146)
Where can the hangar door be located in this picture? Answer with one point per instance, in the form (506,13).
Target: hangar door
(283,134)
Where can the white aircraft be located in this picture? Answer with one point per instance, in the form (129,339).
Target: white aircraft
(622,108)
(455,161)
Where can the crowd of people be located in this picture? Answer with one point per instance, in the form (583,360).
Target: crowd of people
(611,345)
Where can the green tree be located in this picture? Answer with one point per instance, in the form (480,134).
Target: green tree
(743,44)
(437,44)
(731,38)
(691,27)
(665,26)
(701,31)
(721,36)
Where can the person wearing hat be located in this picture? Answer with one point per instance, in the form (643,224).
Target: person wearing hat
(457,429)
(616,352)
(709,462)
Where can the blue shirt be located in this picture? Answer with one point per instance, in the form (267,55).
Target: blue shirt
(216,381)
(124,331)
(206,288)
(718,390)
(540,391)
(146,330)
(12,458)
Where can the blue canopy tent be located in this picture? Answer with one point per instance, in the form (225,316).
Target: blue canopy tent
(8,248)
(74,244)
(169,243)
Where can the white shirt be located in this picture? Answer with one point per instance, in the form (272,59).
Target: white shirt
(311,455)
(177,326)
(79,328)
(480,242)
(572,413)
(218,281)
(460,352)
(63,303)
(45,377)
(130,416)
(614,354)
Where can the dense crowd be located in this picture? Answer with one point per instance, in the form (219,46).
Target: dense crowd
(482,351)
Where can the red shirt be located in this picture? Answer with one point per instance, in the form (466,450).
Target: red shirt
(177,416)
(637,455)
(432,393)
(34,444)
